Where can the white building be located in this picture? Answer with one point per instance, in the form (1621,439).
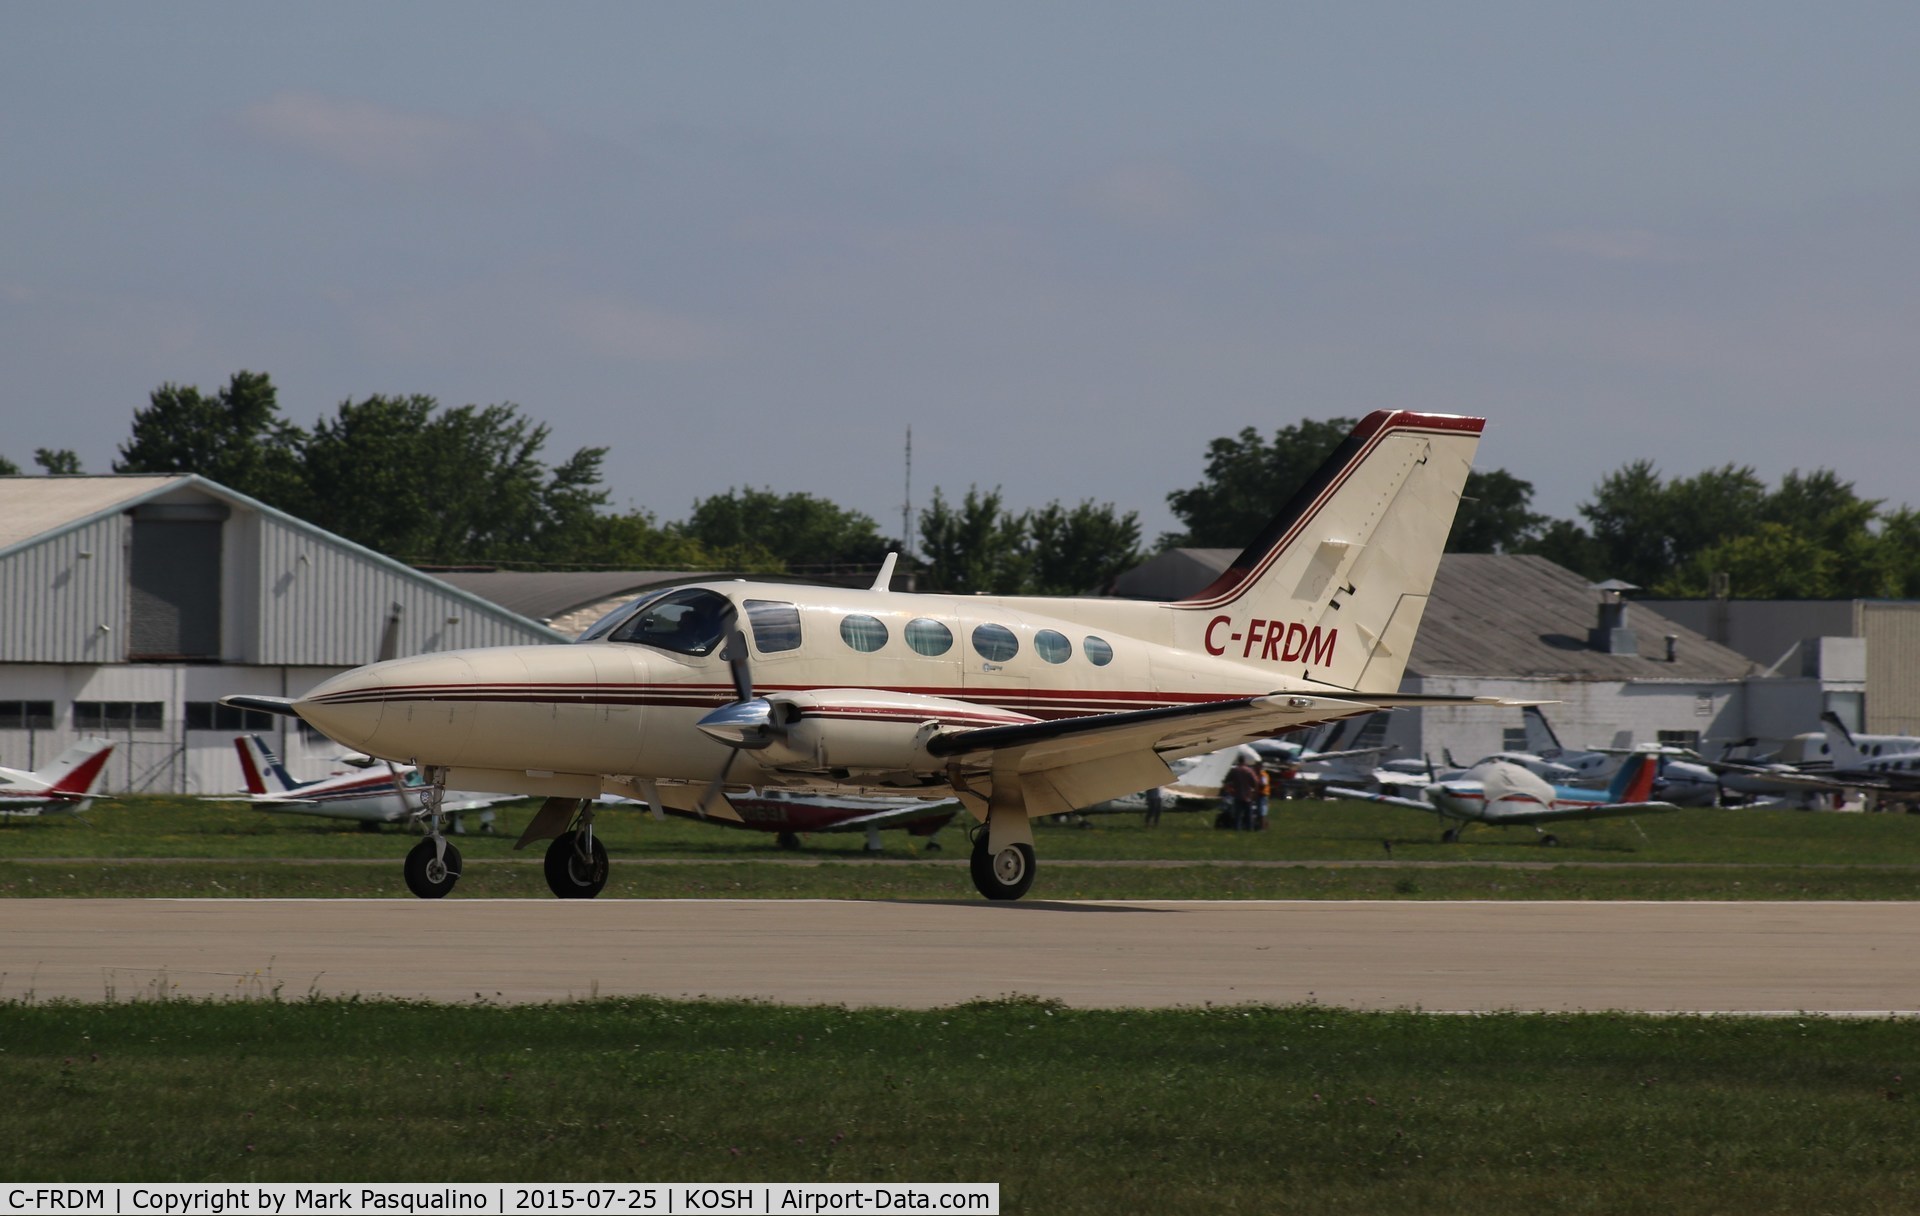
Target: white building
(129,605)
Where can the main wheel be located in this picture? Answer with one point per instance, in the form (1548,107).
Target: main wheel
(789,840)
(571,876)
(431,876)
(1450,836)
(1549,840)
(1003,875)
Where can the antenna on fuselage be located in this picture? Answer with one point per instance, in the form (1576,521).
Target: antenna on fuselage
(884,580)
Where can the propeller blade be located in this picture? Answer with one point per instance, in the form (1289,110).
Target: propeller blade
(736,656)
(718,789)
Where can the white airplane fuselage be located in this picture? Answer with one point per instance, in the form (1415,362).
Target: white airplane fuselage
(516,714)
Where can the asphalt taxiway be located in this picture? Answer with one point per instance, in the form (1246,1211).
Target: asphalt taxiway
(1774,957)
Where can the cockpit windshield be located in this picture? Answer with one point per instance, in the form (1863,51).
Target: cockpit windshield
(619,616)
(689,620)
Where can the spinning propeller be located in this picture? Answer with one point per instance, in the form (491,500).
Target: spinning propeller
(744,724)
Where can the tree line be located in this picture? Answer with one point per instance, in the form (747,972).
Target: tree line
(471,485)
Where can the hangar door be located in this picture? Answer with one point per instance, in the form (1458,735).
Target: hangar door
(174,604)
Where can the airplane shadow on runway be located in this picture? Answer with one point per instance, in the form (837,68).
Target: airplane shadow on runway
(1037,905)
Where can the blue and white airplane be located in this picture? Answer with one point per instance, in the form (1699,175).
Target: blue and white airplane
(1503,794)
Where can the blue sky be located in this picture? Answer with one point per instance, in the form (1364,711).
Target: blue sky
(1067,243)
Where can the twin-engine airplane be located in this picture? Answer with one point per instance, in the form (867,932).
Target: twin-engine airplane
(1016,706)
(66,785)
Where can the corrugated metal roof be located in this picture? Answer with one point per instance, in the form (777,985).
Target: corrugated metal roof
(34,506)
(1516,615)
(1496,614)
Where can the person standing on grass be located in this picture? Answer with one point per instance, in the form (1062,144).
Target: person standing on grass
(1242,790)
(1155,800)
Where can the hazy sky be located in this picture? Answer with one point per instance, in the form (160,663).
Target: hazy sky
(1067,243)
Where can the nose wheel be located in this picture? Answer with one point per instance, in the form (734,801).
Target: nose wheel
(433,865)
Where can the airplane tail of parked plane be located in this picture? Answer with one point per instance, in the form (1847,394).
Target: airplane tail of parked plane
(1634,781)
(264,772)
(75,771)
(1334,588)
(1840,745)
(1541,741)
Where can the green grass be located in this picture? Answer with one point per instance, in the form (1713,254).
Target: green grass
(859,879)
(1308,831)
(227,850)
(1227,1110)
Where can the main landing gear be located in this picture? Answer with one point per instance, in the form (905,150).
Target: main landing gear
(576,860)
(1002,874)
(433,865)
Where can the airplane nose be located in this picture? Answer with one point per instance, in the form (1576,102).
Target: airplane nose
(371,708)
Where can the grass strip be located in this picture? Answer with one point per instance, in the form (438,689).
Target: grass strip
(1298,1109)
(856,879)
(1299,831)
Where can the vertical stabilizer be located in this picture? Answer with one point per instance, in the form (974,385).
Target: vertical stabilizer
(263,770)
(78,769)
(1541,740)
(1334,588)
(1634,781)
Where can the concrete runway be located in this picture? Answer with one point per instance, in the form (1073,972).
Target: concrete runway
(1721,957)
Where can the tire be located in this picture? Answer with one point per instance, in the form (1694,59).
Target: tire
(1550,840)
(789,840)
(427,876)
(1450,836)
(1010,878)
(571,877)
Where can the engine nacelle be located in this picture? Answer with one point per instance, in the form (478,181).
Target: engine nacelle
(868,730)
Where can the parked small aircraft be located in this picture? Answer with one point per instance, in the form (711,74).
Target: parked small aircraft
(789,815)
(1503,794)
(376,793)
(1016,706)
(63,786)
(1890,775)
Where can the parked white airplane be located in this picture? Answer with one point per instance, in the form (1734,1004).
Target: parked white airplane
(1887,773)
(63,786)
(376,794)
(1017,707)
(1503,794)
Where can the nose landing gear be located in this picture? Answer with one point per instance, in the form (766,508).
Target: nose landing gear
(433,865)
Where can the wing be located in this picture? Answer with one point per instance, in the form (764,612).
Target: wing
(1599,810)
(1417,804)
(1068,763)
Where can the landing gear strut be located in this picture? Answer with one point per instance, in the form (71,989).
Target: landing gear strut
(576,860)
(433,865)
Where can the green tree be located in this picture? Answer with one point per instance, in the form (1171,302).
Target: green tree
(56,460)
(1495,514)
(1249,479)
(443,487)
(1079,550)
(796,531)
(236,437)
(975,548)
(8,468)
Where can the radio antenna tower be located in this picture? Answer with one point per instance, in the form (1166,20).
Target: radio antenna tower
(906,508)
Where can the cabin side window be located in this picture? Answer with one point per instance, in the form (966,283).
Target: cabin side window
(776,625)
(1052,645)
(864,633)
(995,643)
(929,637)
(1097,650)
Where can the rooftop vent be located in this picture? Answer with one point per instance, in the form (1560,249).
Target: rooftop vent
(1611,635)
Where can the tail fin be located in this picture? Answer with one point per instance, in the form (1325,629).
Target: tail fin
(1840,744)
(264,772)
(78,768)
(1634,781)
(1541,740)
(1333,590)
